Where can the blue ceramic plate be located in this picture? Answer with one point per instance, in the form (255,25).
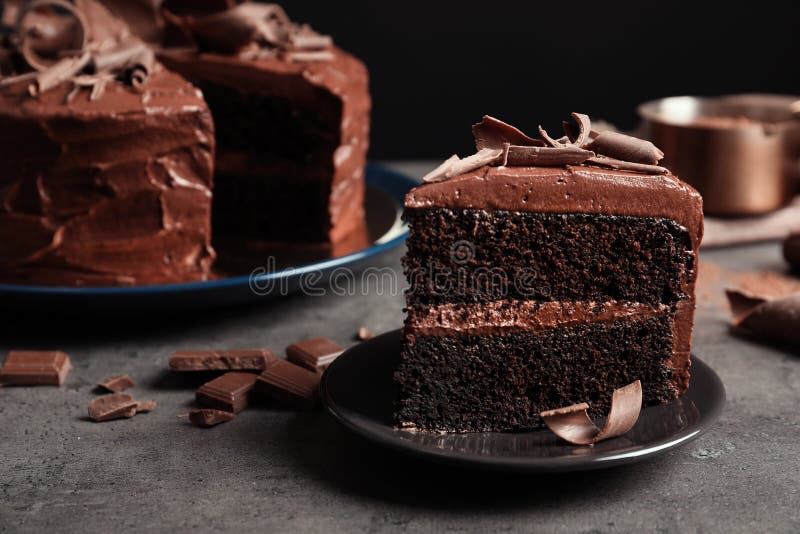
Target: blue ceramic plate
(253,276)
(358,390)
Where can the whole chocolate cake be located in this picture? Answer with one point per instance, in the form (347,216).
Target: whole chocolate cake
(292,119)
(545,273)
(108,157)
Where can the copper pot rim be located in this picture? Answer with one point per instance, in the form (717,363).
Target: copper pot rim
(772,109)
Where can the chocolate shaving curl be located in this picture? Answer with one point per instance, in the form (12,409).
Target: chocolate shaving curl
(574,425)
(455,165)
(499,143)
(494,133)
(533,156)
(775,320)
(611,163)
(626,148)
(90,49)
(256,31)
(44,35)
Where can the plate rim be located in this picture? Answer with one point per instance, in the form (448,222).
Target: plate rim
(394,237)
(528,464)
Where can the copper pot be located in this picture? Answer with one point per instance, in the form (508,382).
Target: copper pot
(742,152)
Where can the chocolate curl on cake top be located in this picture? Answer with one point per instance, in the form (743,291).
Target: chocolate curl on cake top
(80,42)
(574,425)
(775,320)
(500,144)
(250,30)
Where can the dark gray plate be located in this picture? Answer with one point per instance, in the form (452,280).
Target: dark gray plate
(358,390)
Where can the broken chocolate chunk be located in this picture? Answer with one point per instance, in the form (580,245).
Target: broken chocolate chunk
(229,392)
(290,384)
(35,368)
(573,424)
(116,406)
(221,360)
(207,418)
(314,354)
(118,383)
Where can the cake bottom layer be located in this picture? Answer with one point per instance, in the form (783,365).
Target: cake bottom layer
(470,383)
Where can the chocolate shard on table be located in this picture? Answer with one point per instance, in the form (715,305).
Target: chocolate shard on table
(573,424)
(770,319)
(35,368)
(315,354)
(290,384)
(113,156)
(110,407)
(591,282)
(118,383)
(221,360)
(229,392)
(206,418)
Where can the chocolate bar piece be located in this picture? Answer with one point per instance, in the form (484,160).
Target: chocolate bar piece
(221,360)
(114,406)
(229,392)
(314,354)
(115,384)
(290,384)
(35,368)
(207,418)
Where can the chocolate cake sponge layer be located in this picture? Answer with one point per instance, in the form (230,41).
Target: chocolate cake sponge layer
(502,382)
(271,128)
(475,255)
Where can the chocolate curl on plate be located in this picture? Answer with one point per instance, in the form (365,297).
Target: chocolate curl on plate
(454,165)
(775,320)
(626,148)
(493,133)
(611,163)
(524,156)
(573,424)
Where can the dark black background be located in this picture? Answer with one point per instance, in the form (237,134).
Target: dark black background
(438,66)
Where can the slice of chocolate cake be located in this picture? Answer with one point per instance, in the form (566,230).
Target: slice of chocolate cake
(292,120)
(545,273)
(108,157)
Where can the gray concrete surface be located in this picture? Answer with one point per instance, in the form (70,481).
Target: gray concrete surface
(277,471)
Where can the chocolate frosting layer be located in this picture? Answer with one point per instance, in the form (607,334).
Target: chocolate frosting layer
(110,191)
(570,189)
(507,316)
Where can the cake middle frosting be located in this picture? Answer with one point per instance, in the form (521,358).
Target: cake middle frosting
(545,273)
